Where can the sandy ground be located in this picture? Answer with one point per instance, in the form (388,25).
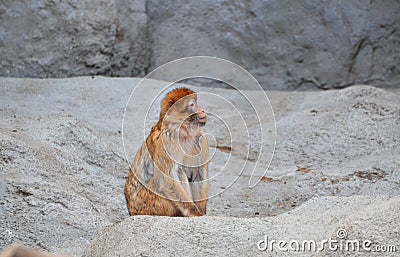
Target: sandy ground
(63,164)
(345,223)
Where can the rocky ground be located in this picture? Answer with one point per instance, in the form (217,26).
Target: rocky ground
(63,168)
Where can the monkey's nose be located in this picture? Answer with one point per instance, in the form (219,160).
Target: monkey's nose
(201,114)
(202,117)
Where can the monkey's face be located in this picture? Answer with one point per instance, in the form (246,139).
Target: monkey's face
(196,114)
(187,112)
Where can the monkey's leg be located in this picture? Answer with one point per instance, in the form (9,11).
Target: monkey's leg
(174,190)
(162,195)
(181,177)
(143,200)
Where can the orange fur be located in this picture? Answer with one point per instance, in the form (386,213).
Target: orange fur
(173,97)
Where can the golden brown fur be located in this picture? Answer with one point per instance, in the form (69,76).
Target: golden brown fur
(169,175)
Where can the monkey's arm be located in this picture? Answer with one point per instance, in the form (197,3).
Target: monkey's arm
(200,189)
(143,165)
(200,185)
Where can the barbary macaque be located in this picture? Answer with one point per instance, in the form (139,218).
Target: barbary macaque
(169,176)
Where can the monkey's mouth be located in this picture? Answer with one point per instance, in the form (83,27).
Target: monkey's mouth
(201,119)
(198,119)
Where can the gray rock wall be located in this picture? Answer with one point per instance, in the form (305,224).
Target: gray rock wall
(47,38)
(284,44)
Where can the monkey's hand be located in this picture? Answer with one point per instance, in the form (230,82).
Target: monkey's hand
(191,210)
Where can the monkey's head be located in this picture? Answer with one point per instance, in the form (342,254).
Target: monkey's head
(180,106)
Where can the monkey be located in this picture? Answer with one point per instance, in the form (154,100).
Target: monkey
(169,175)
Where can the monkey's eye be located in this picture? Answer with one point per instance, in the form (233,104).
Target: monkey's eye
(191,104)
